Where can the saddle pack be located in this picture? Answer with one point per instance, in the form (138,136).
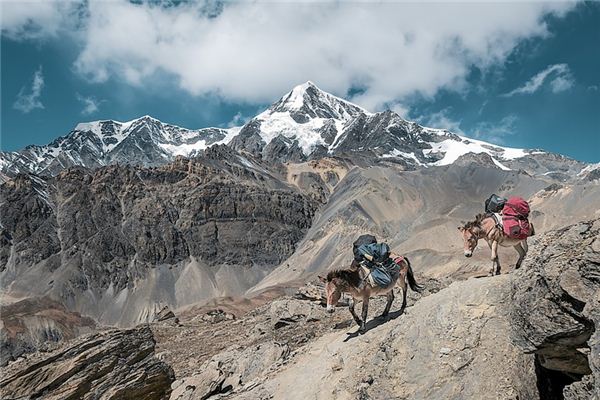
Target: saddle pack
(375,259)
(514,218)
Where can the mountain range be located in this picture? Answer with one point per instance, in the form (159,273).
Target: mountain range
(115,221)
(305,124)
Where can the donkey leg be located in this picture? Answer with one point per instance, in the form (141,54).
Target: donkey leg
(404,287)
(495,260)
(390,299)
(365,311)
(351,308)
(521,252)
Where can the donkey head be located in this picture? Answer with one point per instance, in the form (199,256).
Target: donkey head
(332,291)
(470,238)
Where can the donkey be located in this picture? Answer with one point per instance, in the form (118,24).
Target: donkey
(355,282)
(486,227)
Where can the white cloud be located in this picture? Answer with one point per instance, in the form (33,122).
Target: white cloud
(90,104)
(441,120)
(28,99)
(256,51)
(495,132)
(25,20)
(401,109)
(237,120)
(563,80)
(562,83)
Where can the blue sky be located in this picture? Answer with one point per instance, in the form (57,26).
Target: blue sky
(522,75)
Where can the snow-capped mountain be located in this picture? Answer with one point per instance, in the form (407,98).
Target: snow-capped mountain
(306,123)
(145,141)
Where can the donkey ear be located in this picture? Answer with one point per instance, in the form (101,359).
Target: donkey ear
(322,279)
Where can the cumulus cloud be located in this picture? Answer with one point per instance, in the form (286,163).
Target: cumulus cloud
(256,51)
(91,105)
(562,80)
(28,98)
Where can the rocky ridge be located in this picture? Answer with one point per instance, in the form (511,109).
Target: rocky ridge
(143,141)
(478,338)
(115,365)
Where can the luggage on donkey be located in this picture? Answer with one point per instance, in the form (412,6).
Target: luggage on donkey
(514,218)
(375,258)
(494,204)
(362,240)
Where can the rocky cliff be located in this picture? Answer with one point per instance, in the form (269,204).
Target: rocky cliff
(119,242)
(555,313)
(117,365)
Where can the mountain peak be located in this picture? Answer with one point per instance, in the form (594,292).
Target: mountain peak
(307,101)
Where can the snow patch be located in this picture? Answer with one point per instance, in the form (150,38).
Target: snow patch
(281,123)
(452,149)
(93,126)
(398,153)
(589,168)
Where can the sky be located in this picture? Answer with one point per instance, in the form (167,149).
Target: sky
(519,74)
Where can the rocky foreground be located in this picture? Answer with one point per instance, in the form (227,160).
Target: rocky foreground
(525,335)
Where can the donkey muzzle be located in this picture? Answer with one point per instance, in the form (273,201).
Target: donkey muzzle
(330,308)
(468,254)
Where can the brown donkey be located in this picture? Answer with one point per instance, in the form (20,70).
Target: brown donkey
(355,282)
(486,227)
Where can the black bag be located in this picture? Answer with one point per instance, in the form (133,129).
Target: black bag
(494,204)
(362,240)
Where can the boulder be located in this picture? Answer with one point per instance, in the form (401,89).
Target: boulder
(116,364)
(556,308)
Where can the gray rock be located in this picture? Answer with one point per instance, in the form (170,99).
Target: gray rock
(230,370)
(556,306)
(118,364)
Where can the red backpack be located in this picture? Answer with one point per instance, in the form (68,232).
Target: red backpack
(514,218)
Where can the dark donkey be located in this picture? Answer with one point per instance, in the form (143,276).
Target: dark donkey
(354,281)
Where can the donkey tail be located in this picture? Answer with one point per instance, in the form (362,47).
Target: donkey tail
(411,279)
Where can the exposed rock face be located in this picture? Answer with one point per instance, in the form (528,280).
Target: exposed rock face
(229,370)
(192,229)
(37,324)
(115,365)
(556,313)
